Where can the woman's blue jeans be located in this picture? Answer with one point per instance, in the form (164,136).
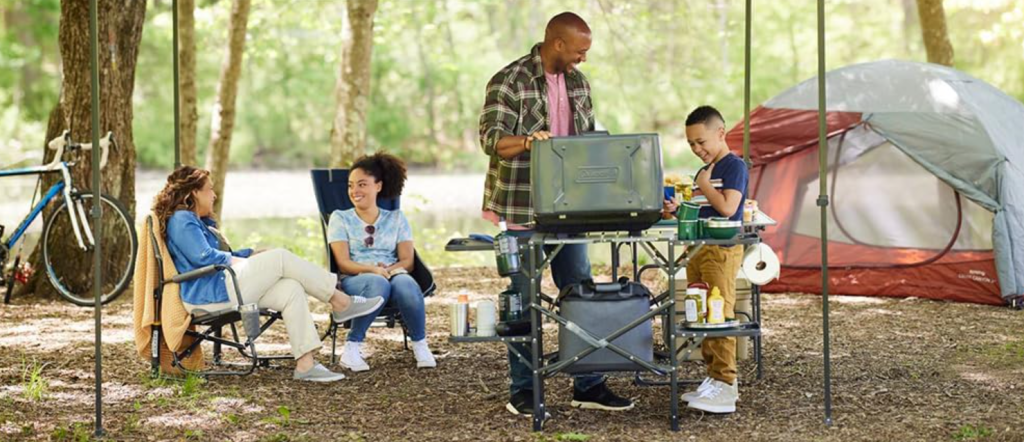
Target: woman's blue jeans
(401,291)
(570,266)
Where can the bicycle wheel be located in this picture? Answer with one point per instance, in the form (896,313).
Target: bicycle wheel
(70,269)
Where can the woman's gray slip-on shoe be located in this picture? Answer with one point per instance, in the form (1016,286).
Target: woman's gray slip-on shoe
(360,306)
(318,373)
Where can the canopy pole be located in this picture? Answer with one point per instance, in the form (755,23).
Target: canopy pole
(97,211)
(823,204)
(177,86)
(746,87)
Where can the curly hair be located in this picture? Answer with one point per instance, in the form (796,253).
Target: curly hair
(385,168)
(177,193)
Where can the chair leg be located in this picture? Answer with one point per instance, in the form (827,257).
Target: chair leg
(334,343)
(405,337)
(217,351)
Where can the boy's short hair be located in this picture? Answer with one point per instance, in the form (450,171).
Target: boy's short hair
(704,115)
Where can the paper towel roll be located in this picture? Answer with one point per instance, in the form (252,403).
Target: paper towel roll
(486,317)
(760,264)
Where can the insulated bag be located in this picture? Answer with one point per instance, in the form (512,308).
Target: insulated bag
(600,309)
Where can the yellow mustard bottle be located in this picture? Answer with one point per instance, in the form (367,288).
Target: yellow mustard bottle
(716,307)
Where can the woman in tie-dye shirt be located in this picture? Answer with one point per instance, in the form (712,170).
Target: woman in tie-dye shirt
(374,247)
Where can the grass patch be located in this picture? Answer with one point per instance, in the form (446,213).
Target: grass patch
(131,422)
(283,418)
(972,432)
(1002,355)
(191,387)
(75,432)
(34,385)
(564,437)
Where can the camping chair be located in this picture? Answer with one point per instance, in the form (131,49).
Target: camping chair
(211,324)
(331,189)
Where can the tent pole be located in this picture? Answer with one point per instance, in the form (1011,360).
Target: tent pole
(177,86)
(823,204)
(97,211)
(746,87)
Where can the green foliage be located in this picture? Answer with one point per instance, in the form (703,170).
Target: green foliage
(75,432)
(276,437)
(190,388)
(283,418)
(35,386)
(972,432)
(131,422)
(1002,354)
(650,63)
(301,236)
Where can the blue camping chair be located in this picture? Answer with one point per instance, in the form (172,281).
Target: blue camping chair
(331,189)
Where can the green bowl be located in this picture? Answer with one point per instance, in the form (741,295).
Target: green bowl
(722,228)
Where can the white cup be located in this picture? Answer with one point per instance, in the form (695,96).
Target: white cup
(486,318)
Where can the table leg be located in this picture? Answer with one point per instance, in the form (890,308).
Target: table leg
(673,357)
(537,334)
(756,295)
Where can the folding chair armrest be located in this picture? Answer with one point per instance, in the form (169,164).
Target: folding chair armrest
(206,271)
(198,273)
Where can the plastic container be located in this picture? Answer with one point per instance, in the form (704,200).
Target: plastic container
(716,307)
(694,305)
(506,251)
(510,306)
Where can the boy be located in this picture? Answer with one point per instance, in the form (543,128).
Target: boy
(723,180)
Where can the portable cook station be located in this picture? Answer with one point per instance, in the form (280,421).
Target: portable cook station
(602,189)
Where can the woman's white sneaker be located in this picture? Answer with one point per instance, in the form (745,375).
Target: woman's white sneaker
(424,358)
(352,357)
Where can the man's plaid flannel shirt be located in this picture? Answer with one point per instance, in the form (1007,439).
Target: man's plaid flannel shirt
(517,105)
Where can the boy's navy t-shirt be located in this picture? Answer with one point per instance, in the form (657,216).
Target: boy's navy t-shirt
(731,171)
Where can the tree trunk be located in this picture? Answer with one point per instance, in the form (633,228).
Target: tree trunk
(187,78)
(120,31)
(933,30)
(352,90)
(223,122)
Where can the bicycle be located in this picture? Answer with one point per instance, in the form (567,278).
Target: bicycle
(63,261)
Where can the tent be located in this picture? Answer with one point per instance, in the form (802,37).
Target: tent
(925,171)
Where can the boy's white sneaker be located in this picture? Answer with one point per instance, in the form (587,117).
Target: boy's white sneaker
(424,358)
(352,357)
(691,395)
(718,397)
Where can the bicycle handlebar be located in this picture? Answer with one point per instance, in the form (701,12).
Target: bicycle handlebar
(63,142)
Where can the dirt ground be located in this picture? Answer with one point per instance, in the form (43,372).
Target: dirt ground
(903,369)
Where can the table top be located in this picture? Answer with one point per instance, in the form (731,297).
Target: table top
(662,231)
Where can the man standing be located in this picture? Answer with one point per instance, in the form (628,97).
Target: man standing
(536,97)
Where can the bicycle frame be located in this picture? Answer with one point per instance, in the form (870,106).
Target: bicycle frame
(64,187)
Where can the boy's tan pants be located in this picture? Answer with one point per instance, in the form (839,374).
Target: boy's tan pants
(717,266)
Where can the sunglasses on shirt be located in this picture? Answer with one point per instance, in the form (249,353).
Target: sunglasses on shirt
(368,241)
